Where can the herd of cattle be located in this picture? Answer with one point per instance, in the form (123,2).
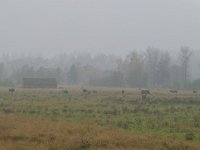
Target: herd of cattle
(143,92)
(11,90)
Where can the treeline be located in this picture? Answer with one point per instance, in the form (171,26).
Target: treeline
(149,68)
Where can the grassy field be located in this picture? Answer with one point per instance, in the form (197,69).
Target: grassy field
(50,119)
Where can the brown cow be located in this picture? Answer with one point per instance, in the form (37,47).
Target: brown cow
(194,91)
(123,92)
(144,93)
(11,90)
(65,92)
(173,91)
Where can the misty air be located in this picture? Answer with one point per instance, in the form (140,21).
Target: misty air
(104,74)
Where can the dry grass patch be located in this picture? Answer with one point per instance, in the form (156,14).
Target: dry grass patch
(21,133)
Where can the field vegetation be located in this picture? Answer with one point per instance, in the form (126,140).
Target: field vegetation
(101,118)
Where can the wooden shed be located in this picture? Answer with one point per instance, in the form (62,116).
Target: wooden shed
(39,83)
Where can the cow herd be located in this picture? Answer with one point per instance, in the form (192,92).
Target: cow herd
(143,92)
(86,91)
(11,90)
(173,91)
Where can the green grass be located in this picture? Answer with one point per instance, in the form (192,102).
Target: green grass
(162,114)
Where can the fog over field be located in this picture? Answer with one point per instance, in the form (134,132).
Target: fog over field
(99,74)
(104,36)
(109,26)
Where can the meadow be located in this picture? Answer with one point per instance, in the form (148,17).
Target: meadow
(104,119)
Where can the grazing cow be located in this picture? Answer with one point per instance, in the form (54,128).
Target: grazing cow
(85,90)
(11,90)
(194,91)
(123,92)
(173,91)
(144,93)
(65,92)
(94,91)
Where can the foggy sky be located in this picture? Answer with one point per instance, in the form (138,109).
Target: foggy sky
(113,26)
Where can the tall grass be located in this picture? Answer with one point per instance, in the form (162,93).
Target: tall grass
(126,122)
(22,133)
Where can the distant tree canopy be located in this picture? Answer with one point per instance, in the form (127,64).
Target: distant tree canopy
(134,70)
(114,79)
(196,84)
(185,58)
(152,67)
(73,74)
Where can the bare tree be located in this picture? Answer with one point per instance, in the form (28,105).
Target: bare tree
(163,69)
(134,70)
(185,58)
(1,71)
(152,57)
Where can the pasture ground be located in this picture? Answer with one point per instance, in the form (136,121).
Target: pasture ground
(50,119)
